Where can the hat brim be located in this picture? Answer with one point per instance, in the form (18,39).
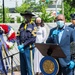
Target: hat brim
(23,14)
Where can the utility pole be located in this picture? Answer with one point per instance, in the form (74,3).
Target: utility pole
(62,7)
(3,13)
(57,2)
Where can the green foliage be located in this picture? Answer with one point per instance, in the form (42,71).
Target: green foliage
(22,8)
(69,7)
(1,16)
(18,20)
(11,20)
(67,11)
(46,16)
(36,8)
(70,2)
(32,6)
(7,18)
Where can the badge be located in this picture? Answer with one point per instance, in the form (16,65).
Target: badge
(49,66)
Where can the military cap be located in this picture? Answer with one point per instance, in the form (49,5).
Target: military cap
(72,16)
(27,13)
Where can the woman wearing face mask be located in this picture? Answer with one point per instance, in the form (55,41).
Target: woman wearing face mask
(63,36)
(40,38)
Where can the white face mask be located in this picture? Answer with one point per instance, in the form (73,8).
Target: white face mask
(60,24)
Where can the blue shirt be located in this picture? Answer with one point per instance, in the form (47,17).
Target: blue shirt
(60,34)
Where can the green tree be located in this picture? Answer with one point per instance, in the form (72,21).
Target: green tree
(18,20)
(46,16)
(71,3)
(22,8)
(7,18)
(67,11)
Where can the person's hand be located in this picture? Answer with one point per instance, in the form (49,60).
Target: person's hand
(71,65)
(55,32)
(20,47)
(21,50)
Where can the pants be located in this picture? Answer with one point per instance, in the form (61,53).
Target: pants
(25,62)
(37,58)
(65,71)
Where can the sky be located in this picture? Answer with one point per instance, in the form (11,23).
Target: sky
(10,3)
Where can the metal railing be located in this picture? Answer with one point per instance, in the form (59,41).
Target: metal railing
(12,60)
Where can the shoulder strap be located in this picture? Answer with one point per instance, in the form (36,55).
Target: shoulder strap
(25,26)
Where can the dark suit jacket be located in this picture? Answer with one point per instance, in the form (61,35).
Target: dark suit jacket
(67,37)
(72,26)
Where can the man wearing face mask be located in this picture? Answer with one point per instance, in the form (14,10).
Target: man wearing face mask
(63,35)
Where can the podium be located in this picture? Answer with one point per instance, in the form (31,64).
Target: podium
(55,49)
(49,64)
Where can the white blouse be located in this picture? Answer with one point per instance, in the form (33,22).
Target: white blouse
(41,37)
(41,34)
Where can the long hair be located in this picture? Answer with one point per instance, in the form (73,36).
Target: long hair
(41,24)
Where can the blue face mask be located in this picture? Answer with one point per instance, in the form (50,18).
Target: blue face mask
(60,24)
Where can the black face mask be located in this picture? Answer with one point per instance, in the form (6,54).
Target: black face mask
(1,31)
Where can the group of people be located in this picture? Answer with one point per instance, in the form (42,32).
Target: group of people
(61,34)
(30,33)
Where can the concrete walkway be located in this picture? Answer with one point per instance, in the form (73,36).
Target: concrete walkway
(15,73)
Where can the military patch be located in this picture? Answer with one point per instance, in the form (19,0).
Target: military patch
(25,26)
(29,29)
(34,31)
(49,66)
